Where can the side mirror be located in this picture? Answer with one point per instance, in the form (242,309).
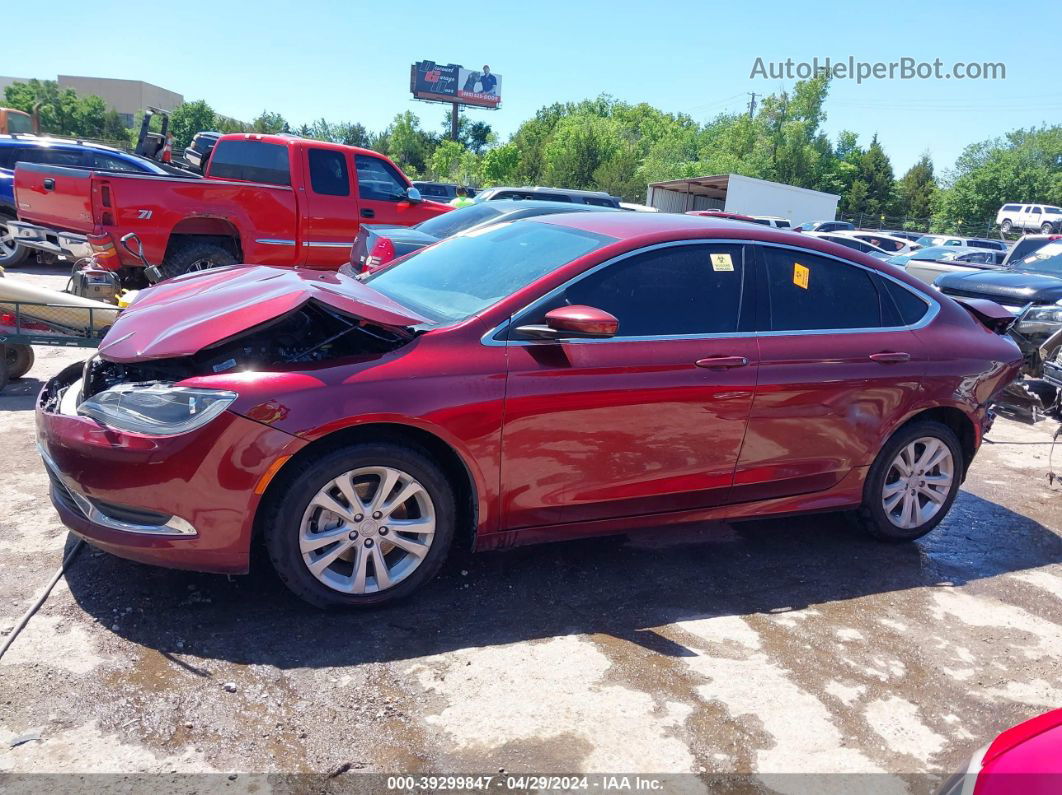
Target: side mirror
(413,195)
(128,241)
(574,321)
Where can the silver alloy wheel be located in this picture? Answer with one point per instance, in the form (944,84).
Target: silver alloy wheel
(8,247)
(918,482)
(367,530)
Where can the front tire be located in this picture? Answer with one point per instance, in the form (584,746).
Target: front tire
(360,526)
(1006,226)
(1046,228)
(912,483)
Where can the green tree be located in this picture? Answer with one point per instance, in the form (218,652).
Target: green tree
(446,158)
(917,189)
(61,110)
(268,122)
(500,164)
(408,144)
(1023,166)
(188,118)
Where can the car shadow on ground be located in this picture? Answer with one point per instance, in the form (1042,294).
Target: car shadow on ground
(621,586)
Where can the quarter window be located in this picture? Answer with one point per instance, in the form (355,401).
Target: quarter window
(328,173)
(807,292)
(694,289)
(910,307)
(379,180)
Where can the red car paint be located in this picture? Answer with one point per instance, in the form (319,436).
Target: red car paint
(150,329)
(559,440)
(269,224)
(1024,760)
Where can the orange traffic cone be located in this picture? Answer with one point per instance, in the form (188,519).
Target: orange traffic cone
(167,150)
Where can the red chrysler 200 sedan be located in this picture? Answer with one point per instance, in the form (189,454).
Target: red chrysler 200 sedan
(565,376)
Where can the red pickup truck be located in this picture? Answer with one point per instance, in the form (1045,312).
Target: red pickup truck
(266,199)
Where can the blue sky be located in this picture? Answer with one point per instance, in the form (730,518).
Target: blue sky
(350,60)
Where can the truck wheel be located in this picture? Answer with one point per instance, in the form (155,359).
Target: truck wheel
(1046,229)
(1005,226)
(19,360)
(195,256)
(11,253)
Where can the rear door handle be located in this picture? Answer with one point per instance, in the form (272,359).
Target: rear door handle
(49,184)
(890,357)
(722,362)
(368,212)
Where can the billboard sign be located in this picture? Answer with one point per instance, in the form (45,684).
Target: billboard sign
(453,83)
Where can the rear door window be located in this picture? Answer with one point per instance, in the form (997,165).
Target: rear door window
(807,292)
(328,173)
(253,161)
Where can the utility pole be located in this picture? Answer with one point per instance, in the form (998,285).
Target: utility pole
(752,104)
(454,122)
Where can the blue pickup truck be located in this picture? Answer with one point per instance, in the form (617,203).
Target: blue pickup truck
(56,152)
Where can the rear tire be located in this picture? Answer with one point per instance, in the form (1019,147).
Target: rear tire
(19,360)
(912,483)
(11,253)
(1006,226)
(195,256)
(1046,228)
(333,558)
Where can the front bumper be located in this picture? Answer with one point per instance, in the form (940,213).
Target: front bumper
(185,501)
(61,244)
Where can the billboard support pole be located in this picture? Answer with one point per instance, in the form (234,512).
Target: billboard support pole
(454,122)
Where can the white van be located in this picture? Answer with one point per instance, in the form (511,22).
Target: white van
(1033,217)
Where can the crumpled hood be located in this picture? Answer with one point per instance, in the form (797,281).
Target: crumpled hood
(1009,286)
(181,316)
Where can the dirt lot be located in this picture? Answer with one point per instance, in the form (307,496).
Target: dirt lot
(767,647)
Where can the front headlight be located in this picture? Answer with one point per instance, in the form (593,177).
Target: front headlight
(155,408)
(1042,314)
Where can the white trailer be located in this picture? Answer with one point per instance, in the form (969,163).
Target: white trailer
(734,193)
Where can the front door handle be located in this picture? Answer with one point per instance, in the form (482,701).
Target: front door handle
(890,357)
(368,212)
(49,184)
(722,362)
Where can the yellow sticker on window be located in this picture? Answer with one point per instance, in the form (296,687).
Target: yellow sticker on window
(800,275)
(722,262)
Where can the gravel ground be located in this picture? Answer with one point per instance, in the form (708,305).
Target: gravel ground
(761,648)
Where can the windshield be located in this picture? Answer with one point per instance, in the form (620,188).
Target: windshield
(939,253)
(462,275)
(1047,259)
(458,220)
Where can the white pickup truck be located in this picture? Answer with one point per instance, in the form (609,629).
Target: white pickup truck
(1031,217)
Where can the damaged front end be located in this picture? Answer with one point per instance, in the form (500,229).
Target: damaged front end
(244,319)
(309,335)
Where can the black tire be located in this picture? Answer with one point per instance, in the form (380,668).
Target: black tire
(11,254)
(871,515)
(1046,229)
(193,256)
(291,495)
(19,360)
(1006,226)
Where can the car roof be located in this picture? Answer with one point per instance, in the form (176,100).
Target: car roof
(560,208)
(544,189)
(43,140)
